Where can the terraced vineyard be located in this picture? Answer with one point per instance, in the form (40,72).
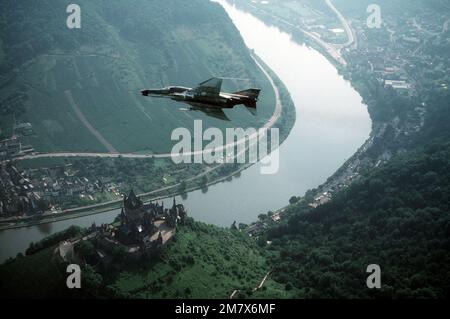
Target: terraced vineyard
(81,87)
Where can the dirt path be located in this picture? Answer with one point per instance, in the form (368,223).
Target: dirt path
(87,124)
(113,153)
(263,281)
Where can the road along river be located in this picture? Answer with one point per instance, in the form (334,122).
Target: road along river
(332,123)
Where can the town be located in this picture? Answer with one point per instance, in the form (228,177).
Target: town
(398,62)
(41,191)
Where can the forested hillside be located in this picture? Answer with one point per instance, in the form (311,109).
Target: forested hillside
(396,213)
(203,261)
(396,217)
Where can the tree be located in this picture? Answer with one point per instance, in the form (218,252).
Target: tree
(119,253)
(91,280)
(293,200)
(262,241)
(182,187)
(86,249)
(263,217)
(42,205)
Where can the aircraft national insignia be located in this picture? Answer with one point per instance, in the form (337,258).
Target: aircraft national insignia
(207,97)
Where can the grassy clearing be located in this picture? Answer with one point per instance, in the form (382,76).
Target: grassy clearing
(203,262)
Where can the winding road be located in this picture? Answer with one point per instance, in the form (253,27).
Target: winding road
(70,213)
(345,24)
(332,49)
(115,154)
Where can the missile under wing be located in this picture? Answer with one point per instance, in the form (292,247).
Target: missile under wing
(207,95)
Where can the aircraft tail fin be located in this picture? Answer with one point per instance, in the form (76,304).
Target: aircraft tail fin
(211,86)
(251,93)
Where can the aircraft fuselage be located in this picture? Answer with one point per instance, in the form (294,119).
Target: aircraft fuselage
(200,99)
(206,96)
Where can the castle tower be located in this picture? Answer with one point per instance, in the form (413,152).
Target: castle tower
(131,201)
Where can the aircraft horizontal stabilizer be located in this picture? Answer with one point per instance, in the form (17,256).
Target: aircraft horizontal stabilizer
(250,104)
(251,93)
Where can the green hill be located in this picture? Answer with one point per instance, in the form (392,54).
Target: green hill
(80,88)
(393,214)
(201,262)
(396,217)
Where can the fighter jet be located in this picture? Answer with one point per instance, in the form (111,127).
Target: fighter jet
(207,97)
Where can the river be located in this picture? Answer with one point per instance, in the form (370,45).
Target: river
(332,123)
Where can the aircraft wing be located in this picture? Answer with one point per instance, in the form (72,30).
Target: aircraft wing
(211,86)
(217,113)
(213,112)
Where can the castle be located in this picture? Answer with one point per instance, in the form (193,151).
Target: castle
(146,223)
(139,230)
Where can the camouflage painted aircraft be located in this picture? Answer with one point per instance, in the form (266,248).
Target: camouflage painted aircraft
(207,97)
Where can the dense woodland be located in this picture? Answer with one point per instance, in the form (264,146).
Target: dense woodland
(396,217)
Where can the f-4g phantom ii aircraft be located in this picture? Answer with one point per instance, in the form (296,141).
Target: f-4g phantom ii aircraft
(207,97)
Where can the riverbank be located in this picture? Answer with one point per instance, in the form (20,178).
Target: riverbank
(104,207)
(331,124)
(352,167)
(283,105)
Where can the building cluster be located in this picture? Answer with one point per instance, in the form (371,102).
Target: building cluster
(408,57)
(321,199)
(58,185)
(401,54)
(17,193)
(259,227)
(141,229)
(31,191)
(12,147)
